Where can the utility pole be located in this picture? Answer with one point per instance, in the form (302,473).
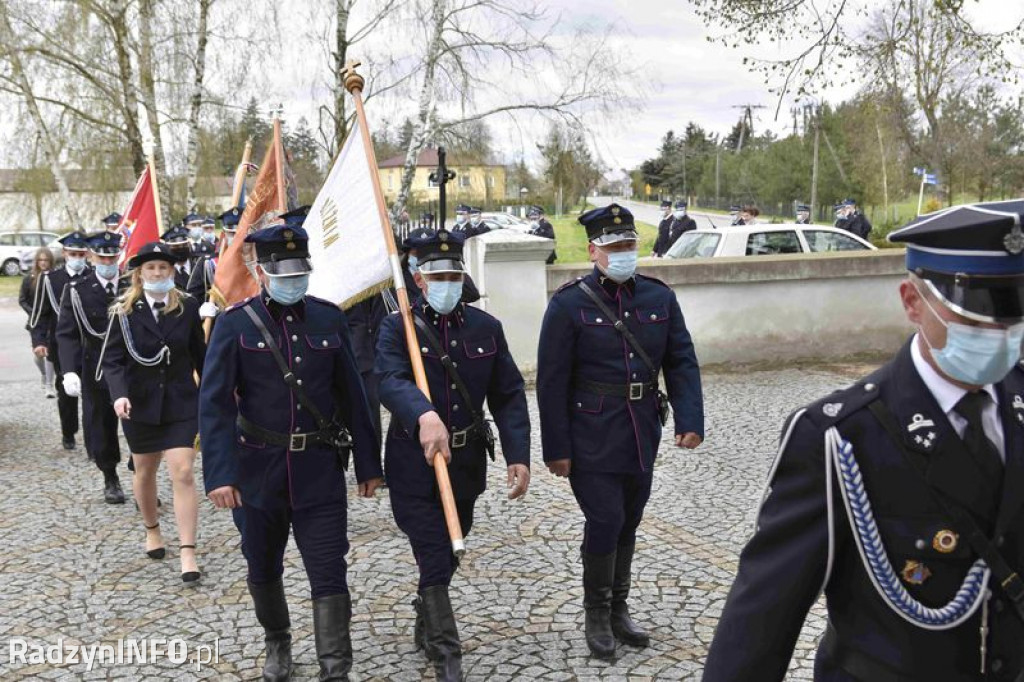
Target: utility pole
(746,122)
(718,175)
(814,166)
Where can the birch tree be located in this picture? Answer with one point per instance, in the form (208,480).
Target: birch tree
(195,104)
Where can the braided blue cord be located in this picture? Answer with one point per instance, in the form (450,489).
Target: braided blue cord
(870,541)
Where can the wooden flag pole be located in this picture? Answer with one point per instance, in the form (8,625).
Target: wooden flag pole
(354,84)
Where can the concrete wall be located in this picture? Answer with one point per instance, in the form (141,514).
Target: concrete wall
(787,307)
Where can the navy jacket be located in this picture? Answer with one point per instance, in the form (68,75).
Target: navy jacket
(80,337)
(47,308)
(802,547)
(662,243)
(165,392)
(677,228)
(242,378)
(604,433)
(476,343)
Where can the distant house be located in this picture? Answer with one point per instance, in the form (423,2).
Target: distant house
(474,183)
(29,198)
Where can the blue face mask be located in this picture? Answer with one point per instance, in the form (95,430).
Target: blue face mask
(210,237)
(621,265)
(75,264)
(975,355)
(287,290)
(160,286)
(679,213)
(106,271)
(195,233)
(414,264)
(444,296)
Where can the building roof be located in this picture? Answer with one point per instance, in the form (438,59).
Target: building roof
(428,159)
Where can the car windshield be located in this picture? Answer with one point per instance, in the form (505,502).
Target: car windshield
(695,245)
(820,240)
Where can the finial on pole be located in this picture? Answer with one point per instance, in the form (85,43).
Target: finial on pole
(353,81)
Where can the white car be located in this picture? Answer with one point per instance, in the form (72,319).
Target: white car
(505,221)
(14,244)
(762,240)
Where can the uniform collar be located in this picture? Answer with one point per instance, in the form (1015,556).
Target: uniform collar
(277,311)
(613,288)
(946,394)
(455,317)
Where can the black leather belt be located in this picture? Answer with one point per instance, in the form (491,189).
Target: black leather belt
(633,391)
(296,442)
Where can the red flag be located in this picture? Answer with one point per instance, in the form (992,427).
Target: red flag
(232,282)
(139,222)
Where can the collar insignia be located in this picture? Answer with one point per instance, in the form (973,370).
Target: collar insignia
(832,409)
(919,422)
(1014,242)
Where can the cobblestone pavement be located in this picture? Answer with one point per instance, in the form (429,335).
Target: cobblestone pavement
(73,568)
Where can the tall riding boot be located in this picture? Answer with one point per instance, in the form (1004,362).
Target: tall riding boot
(598,574)
(272,613)
(419,636)
(443,645)
(331,618)
(622,625)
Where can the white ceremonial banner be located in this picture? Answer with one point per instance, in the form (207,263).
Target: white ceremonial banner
(346,239)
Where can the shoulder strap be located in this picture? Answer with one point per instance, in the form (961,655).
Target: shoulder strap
(289,376)
(435,344)
(1007,577)
(621,327)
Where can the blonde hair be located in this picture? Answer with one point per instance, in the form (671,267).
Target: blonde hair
(41,251)
(123,305)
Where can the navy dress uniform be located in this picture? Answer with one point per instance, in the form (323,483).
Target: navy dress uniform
(661,242)
(803,214)
(177,239)
(541,227)
(599,409)
(43,324)
(902,497)
(81,329)
(475,343)
(260,438)
(681,223)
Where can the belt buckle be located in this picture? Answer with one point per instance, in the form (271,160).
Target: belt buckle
(297,442)
(459,439)
(636,391)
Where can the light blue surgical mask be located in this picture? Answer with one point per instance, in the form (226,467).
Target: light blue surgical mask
(195,233)
(160,286)
(75,265)
(621,265)
(976,355)
(287,290)
(679,212)
(211,237)
(106,271)
(414,264)
(444,296)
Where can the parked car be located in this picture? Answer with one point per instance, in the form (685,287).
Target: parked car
(56,248)
(761,240)
(14,244)
(505,221)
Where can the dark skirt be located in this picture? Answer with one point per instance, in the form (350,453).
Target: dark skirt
(151,438)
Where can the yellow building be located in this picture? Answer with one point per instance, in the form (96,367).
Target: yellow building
(474,183)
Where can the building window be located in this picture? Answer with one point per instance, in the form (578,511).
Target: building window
(490,181)
(391,178)
(464,180)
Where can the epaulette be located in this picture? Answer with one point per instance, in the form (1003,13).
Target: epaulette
(832,409)
(569,284)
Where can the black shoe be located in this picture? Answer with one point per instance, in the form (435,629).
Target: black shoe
(159,552)
(190,578)
(331,618)
(68,443)
(272,613)
(112,493)
(623,627)
(442,633)
(598,574)
(419,636)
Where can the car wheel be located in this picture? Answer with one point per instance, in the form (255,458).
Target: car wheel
(11,267)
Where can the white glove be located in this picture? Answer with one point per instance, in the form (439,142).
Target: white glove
(208,310)
(72,385)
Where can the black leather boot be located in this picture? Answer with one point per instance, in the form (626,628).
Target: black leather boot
(331,618)
(112,493)
(443,645)
(598,575)
(272,613)
(623,627)
(419,636)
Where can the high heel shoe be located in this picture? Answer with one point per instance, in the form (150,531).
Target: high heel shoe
(190,578)
(159,552)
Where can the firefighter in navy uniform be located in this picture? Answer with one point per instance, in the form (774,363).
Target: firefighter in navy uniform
(43,325)
(81,329)
(902,497)
(803,214)
(277,449)
(602,410)
(663,226)
(540,227)
(452,426)
(177,239)
(680,224)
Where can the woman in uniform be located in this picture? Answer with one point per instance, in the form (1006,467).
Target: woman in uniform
(153,357)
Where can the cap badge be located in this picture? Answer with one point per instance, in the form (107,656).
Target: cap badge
(617,220)
(287,234)
(443,236)
(915,573)
(444,247)
(615,210)
(1014,242)
(156,249)
(945,541)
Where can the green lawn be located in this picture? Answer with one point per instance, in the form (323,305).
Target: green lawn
(9,286)
(571,239)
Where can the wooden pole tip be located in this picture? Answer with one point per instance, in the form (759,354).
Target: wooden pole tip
(353,81)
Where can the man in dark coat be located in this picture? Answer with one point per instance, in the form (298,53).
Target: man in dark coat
(681,223)
(450,425)
(663,229)
(540,227)
(265,448)
(902,497)
(601,408)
